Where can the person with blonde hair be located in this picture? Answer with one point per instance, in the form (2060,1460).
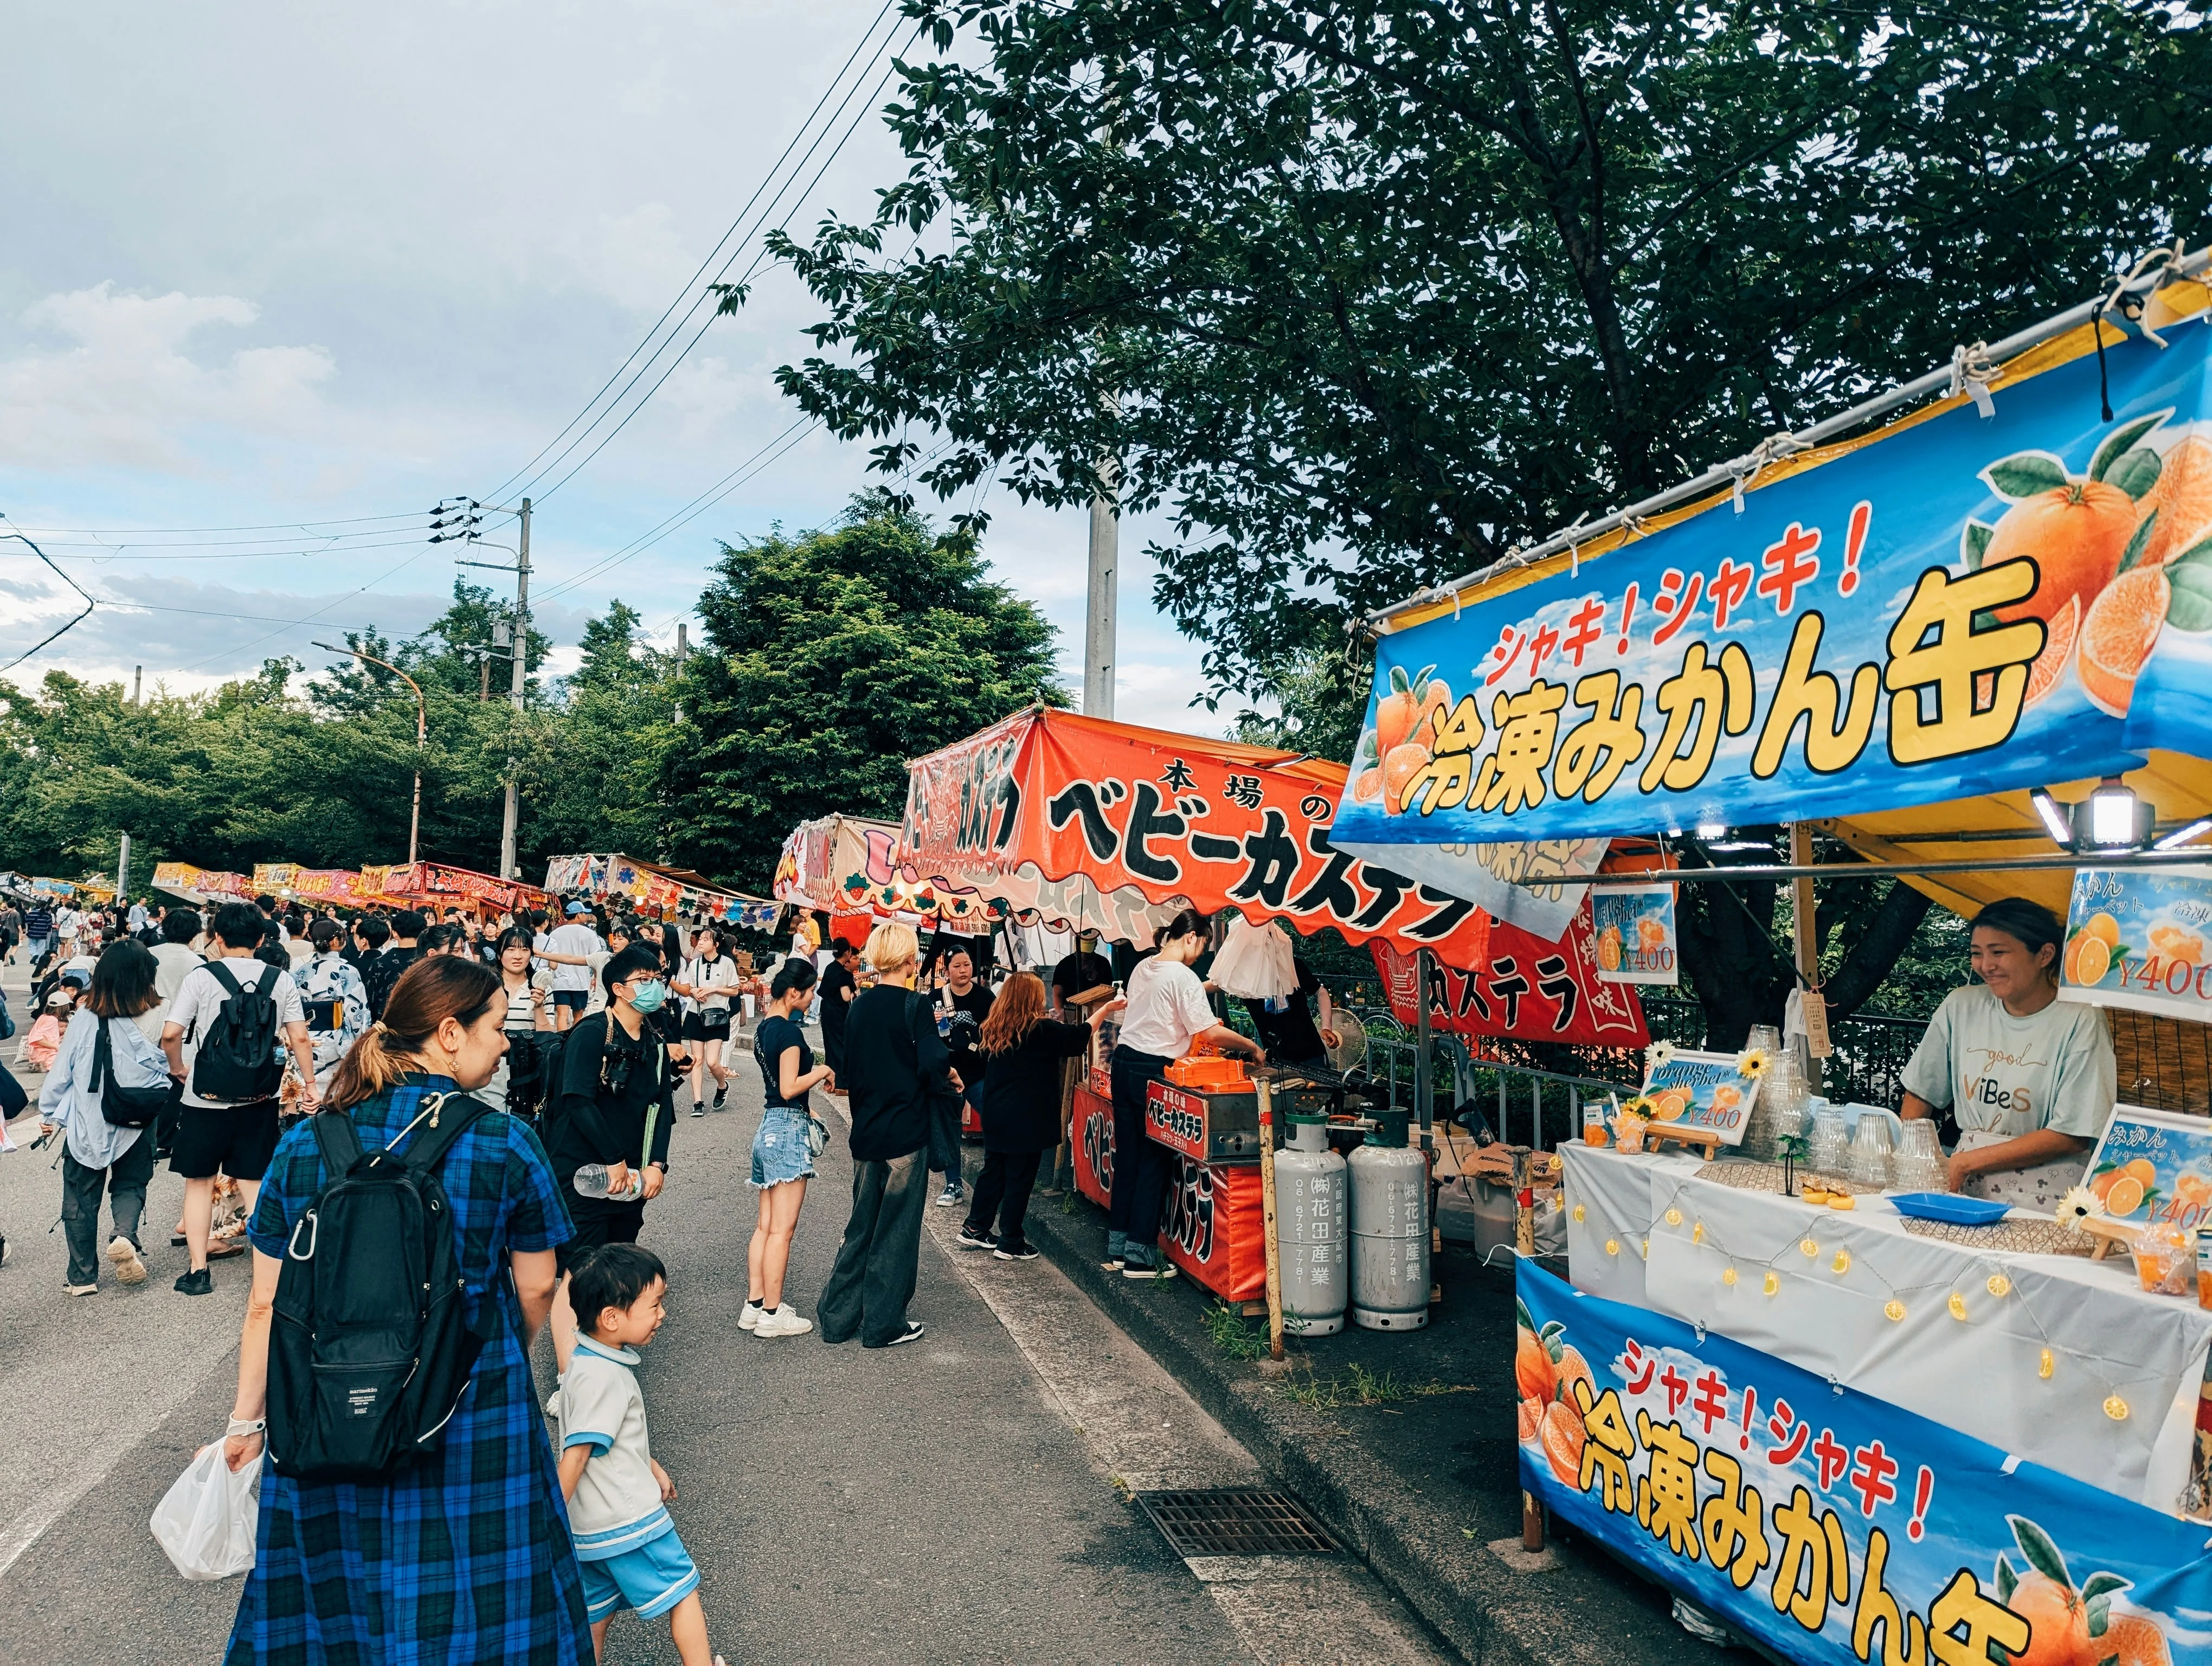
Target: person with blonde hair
(1024,1052)
(895,1066)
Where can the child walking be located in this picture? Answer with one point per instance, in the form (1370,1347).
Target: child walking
(618,1492)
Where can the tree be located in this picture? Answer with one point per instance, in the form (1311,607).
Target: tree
(592,776)
(1364,296)
(829,659)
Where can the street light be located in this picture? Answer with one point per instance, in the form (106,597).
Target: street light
(421,733)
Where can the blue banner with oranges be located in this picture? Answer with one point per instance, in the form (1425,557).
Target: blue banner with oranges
(1829,1525)
(1969,605)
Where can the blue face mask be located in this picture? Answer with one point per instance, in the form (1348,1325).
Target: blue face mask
(649,997)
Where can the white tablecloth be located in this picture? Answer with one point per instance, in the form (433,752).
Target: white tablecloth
(1980,1375)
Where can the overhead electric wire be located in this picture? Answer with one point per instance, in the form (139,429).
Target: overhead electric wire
(525,472)
(258,526)
(312,618)
(646,396)
(89,602)
(126,552)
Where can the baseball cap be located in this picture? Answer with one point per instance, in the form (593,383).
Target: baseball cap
(578,908)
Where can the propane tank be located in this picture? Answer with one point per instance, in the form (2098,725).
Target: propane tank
(1390,1229)
(1310,1222)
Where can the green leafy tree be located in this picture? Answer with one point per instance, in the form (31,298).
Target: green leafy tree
(1363,295)
(592,777)
(829,659)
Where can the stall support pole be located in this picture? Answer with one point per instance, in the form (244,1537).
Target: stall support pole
(1063,1167)
(1422,1088)
(1268,1221)
(1804,929)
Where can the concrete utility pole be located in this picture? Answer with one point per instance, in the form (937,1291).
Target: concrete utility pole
(1098,618)
(683,653)
(506,862)
(137,677)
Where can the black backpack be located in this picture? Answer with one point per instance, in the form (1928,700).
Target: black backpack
(370,1351)
(124,1107)
(237,1059)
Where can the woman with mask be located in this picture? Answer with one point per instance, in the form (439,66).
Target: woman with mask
(612,1104)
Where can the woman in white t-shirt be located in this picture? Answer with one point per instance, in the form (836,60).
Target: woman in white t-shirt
(1164,1015)
(2030,1077)
(707,982)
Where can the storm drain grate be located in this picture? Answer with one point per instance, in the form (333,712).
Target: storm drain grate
(1236,1521)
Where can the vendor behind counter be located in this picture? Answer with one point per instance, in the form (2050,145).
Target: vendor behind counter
(2030,1079)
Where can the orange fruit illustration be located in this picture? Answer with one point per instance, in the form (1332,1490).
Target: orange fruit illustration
(2058,1624)
(2087,959)
(1532,1366)
(2134,1638)
(2143,1170)
(1435,706)
(2118,634)
(1673,1103)
(1563,1435)
(2103,1184)
(2125,1197)
(2048,668)
(2182,500)
(2076,533)
(1573,1369)
(1367,786)
(1532,1418)
(1399,765)
(2101,924)
(1608,948)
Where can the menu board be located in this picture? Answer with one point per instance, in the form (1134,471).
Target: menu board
(2153,1168)
(1703,1092)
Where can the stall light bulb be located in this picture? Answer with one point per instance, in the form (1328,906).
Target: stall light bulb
(1808,1247)
(1613,1246)
(1958,1306)
(1727,1275)
(1893,1310)
(1697,1233)
(2055,821)
(2116,1408)
(1674,1217)
(1772,1283)
(2112,817)
(2045,1365)
(1843,1261)
(1579,1212)
(1646,1249)
(2000,1286)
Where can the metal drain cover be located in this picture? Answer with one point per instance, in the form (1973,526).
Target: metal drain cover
(1236,1521)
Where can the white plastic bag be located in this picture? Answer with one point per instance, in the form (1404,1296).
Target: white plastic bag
(1254,962)
(207,1521)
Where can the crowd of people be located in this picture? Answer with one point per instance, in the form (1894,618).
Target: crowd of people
(563,1041)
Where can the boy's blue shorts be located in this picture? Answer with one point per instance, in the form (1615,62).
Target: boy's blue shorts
(652,1579)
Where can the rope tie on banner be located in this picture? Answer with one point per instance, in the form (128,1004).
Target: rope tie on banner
(2126,302)
(1972,373)
(1771,449)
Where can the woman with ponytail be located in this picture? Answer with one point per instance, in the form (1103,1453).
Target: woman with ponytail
(466,1556)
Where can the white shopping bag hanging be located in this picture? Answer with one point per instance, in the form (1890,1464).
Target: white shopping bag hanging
(208,1520)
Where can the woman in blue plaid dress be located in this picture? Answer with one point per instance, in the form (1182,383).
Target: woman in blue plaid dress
(466,1557)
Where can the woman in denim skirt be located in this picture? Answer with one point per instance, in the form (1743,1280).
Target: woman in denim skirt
(784,1148)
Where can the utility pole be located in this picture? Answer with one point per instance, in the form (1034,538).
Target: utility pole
(520,665)
(122,875)
(137,676)
(683,653)
(1098,616)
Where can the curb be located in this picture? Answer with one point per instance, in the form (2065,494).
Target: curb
(1582,1609)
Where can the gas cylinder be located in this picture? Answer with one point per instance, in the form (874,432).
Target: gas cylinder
(1309,1223)
(1390,1229)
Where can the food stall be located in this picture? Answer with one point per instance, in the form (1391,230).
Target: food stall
(1073,821)
(439,884)
(657,888)
(1971,645)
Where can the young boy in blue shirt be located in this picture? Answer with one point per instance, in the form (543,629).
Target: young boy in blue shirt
(618,1492)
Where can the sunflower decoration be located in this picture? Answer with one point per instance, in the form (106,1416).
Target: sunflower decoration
(1751,1063)
(1657,1056)
(2079,1205)
(1643,1105)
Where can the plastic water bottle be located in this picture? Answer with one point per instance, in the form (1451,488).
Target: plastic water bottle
(592,1181)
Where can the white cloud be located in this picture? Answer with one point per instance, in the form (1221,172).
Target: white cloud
(125,392)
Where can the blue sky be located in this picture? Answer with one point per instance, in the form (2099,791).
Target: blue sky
(308,271)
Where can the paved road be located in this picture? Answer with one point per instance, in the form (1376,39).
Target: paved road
(954,1500)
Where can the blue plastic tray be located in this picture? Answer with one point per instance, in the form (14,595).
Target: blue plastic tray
(1944,1205)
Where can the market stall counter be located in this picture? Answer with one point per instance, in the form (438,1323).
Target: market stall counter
(2053,1357)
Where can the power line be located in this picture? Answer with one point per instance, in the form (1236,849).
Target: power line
(124,552)
(261,526)
(643,398)
(774,169)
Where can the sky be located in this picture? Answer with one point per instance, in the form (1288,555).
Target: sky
(293,275)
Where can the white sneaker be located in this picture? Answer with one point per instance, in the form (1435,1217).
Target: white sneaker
(786,1321)
(128,1268)
(750,1317)
(950,1195)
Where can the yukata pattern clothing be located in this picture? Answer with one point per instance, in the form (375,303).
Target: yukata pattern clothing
(468,1558)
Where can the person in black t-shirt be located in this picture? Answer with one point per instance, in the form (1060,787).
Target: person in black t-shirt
(839,986)
(1086,968)
(1287,1029)
(784,1148)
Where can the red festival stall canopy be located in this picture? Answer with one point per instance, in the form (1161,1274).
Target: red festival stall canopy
(1074,821)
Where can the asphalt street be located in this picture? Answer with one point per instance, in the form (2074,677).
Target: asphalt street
(961,1499)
